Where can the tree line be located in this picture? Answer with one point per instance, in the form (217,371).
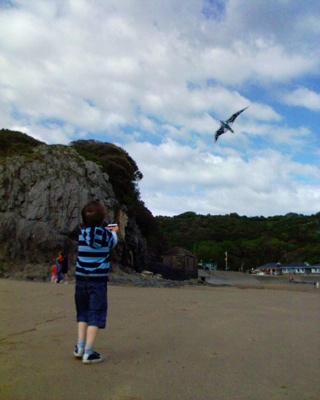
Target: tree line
(249,241)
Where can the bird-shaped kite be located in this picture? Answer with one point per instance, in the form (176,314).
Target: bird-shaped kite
(225,125)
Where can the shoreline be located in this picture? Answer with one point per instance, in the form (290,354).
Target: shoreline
(218,279)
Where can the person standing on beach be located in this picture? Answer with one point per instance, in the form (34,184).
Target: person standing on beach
(59,263)
(65,268)
(92,270)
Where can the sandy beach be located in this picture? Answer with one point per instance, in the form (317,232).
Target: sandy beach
(259,343)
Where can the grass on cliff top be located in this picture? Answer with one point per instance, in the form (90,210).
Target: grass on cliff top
(15,143)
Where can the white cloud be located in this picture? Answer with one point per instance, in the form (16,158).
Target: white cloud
(179,177)
(304,97)
(244,61)
(291,23)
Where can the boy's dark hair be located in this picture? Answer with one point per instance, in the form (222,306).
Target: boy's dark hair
(93,214)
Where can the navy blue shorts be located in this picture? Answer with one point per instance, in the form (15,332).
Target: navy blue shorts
(92,302)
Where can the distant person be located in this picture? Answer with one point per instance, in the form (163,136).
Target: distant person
(65,268)
(92,270)
(54,274)
(59,263)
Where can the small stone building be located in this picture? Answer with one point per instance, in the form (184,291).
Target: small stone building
(183,261)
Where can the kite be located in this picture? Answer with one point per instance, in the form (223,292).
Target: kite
(225,125)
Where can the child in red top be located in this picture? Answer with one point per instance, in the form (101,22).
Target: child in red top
(60,258)
(54,274)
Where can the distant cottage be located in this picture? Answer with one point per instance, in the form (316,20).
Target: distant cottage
(183,261)
(296,267)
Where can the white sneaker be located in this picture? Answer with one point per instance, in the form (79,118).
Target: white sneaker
(92,358)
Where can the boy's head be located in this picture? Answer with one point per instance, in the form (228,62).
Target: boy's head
(93,214)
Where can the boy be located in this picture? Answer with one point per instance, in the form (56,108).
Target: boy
(92,269)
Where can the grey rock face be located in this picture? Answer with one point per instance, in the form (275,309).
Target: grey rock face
(41,197)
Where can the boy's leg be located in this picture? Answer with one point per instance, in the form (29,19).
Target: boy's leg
(90,356)
(81,300)
(96,320)
(82,330)
(81,343)
(92,333)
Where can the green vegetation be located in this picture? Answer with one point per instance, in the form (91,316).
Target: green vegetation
(250,242)
(16,143)
(123,172)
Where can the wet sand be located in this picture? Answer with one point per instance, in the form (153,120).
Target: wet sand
(259,343)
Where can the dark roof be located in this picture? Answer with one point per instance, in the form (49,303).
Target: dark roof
(297,264)
(270,265)
(178,251)
(301,266)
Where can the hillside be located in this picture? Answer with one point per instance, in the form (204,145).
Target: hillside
(250,242)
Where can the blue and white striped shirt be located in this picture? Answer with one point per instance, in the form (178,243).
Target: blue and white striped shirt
(94,248)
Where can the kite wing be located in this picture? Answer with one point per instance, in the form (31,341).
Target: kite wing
(234,116)
(219,132)
(225,125)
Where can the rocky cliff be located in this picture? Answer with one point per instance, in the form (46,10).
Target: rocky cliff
(41,197)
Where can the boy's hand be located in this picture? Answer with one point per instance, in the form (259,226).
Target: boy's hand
(113,227)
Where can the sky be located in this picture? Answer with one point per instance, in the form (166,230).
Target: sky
(155,77)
